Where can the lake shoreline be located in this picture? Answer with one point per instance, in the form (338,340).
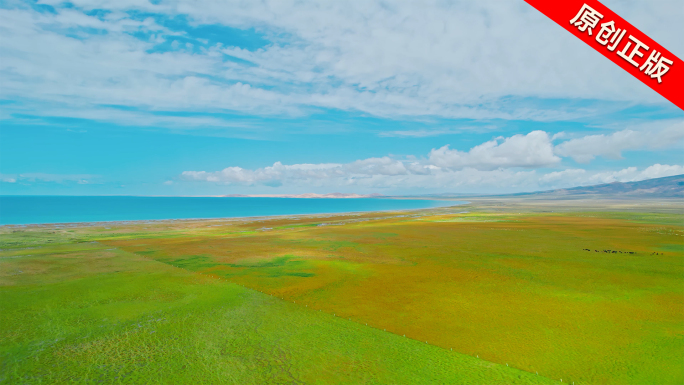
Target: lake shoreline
(259,211)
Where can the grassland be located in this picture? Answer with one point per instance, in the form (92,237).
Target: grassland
(484,294)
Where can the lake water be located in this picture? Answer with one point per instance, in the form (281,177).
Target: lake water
(66,209)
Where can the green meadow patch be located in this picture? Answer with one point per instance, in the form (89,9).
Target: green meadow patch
(484,297)
(89,313)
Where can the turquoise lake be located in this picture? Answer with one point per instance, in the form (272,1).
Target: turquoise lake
(17,210)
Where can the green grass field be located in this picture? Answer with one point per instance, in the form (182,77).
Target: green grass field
(484,297)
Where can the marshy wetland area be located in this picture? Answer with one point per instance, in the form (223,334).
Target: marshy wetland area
(507,291)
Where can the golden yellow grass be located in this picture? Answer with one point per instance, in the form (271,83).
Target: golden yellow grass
(512,289)
(76,311)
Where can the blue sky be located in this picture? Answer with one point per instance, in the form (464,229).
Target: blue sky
(219,97)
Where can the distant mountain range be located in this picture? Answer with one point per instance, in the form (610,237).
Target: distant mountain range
(668,187)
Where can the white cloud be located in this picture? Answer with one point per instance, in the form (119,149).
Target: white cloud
(497,165)
(661,170)
(423,133)
(52,178)
(415,133)
(570,176)
(453,59)
(611,146)
(8,178)
(278,172)
(377,166)
(349,176)
(580,177)
(632,174)
(466,180)
(532,150)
